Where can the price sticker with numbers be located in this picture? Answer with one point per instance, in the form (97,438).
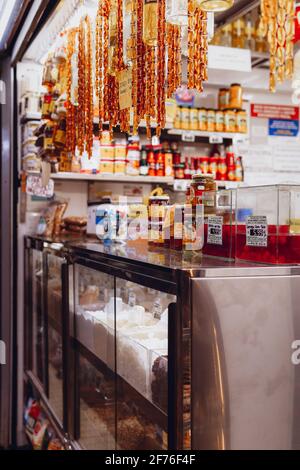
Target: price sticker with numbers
(257,231)
(215,230)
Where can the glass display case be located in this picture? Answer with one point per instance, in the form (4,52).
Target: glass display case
(35,346)
(268,224)
(219,226)
(121,340)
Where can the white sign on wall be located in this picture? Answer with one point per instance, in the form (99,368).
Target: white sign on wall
(229,58)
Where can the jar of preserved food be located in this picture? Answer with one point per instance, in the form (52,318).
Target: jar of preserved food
(236,96)
(157,212)
(223,98)
(178,118)
(185,118)
(230,120)
(220,123)
(203,191)
(202,119)
(179,171)
(242,122)
(133,160)
(211,120)
(194,116)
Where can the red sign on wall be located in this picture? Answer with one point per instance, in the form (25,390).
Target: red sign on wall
(272,111)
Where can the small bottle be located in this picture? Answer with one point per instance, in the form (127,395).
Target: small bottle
(131,298)
(249,33)
(144,168)
(239,170)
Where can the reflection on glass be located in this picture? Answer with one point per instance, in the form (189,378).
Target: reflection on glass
(95,332)
(97,407)
(54,310)
(38,356)
(142,366)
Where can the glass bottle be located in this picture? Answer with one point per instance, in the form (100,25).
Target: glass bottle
(249,33)
(238,34)
(260,36)
(177,12)
(226,39)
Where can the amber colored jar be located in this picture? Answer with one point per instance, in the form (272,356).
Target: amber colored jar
(230,120)
(238,33)
(202,119)
(236,96)
(157,212)
(177,227)
(220,124)
(185,118)
(200,183)
(223,98)
(194,119)
(48,136)
(242,121)
(211,120)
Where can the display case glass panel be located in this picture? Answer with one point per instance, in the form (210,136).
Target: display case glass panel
(94,333)
(37,320)
(141,366)
(55,334)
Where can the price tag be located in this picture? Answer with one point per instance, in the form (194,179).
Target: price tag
(125,89)
(215,139)
(215,230)
(188,136)
(257,231)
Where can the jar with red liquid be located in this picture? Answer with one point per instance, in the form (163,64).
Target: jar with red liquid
(219,228)
(188,169)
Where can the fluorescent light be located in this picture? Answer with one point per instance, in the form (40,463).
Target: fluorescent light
(5,16)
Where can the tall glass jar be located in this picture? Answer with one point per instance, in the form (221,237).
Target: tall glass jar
(177,12)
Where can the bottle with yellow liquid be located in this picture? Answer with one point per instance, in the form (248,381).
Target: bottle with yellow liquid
(150,22)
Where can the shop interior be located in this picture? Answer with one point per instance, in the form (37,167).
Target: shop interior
(158,219)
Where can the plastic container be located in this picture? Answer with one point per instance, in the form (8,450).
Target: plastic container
(271,234)
(219,228)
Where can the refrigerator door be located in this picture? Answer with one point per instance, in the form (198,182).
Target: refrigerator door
(245,387)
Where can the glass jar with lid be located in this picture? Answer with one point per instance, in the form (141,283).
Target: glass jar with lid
(203,189)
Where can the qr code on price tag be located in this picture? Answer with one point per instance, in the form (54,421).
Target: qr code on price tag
(257,231)
(215,230)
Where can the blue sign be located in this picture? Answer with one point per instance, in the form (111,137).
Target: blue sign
(283,128)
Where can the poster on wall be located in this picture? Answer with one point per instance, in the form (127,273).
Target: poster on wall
(273,111)
(283,128)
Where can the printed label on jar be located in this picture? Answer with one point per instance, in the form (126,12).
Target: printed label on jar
(215,230)
(257,231)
